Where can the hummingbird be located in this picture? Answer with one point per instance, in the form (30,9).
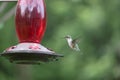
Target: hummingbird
(73,43)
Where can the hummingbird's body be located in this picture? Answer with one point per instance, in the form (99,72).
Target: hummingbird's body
(72,43)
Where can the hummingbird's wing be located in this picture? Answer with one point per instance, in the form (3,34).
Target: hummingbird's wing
(75,44)
(75,41)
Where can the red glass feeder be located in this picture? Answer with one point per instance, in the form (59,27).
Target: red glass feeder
(30,22)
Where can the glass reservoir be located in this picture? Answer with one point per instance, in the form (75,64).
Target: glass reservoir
(30,20)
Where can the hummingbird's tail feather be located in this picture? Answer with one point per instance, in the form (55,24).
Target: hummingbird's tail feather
(77,48)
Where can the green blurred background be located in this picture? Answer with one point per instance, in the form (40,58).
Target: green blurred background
(97,22)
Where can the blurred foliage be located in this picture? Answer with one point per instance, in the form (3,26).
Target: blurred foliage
(97,22)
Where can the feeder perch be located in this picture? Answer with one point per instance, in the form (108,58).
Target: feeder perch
(30,20)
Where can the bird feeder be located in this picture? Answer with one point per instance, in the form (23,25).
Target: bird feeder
(30,20)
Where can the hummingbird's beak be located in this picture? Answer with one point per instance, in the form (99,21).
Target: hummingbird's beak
(63,37)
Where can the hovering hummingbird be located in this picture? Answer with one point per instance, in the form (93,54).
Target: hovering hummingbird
(73,43)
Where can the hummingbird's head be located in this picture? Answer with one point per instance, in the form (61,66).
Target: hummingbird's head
(67,37)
